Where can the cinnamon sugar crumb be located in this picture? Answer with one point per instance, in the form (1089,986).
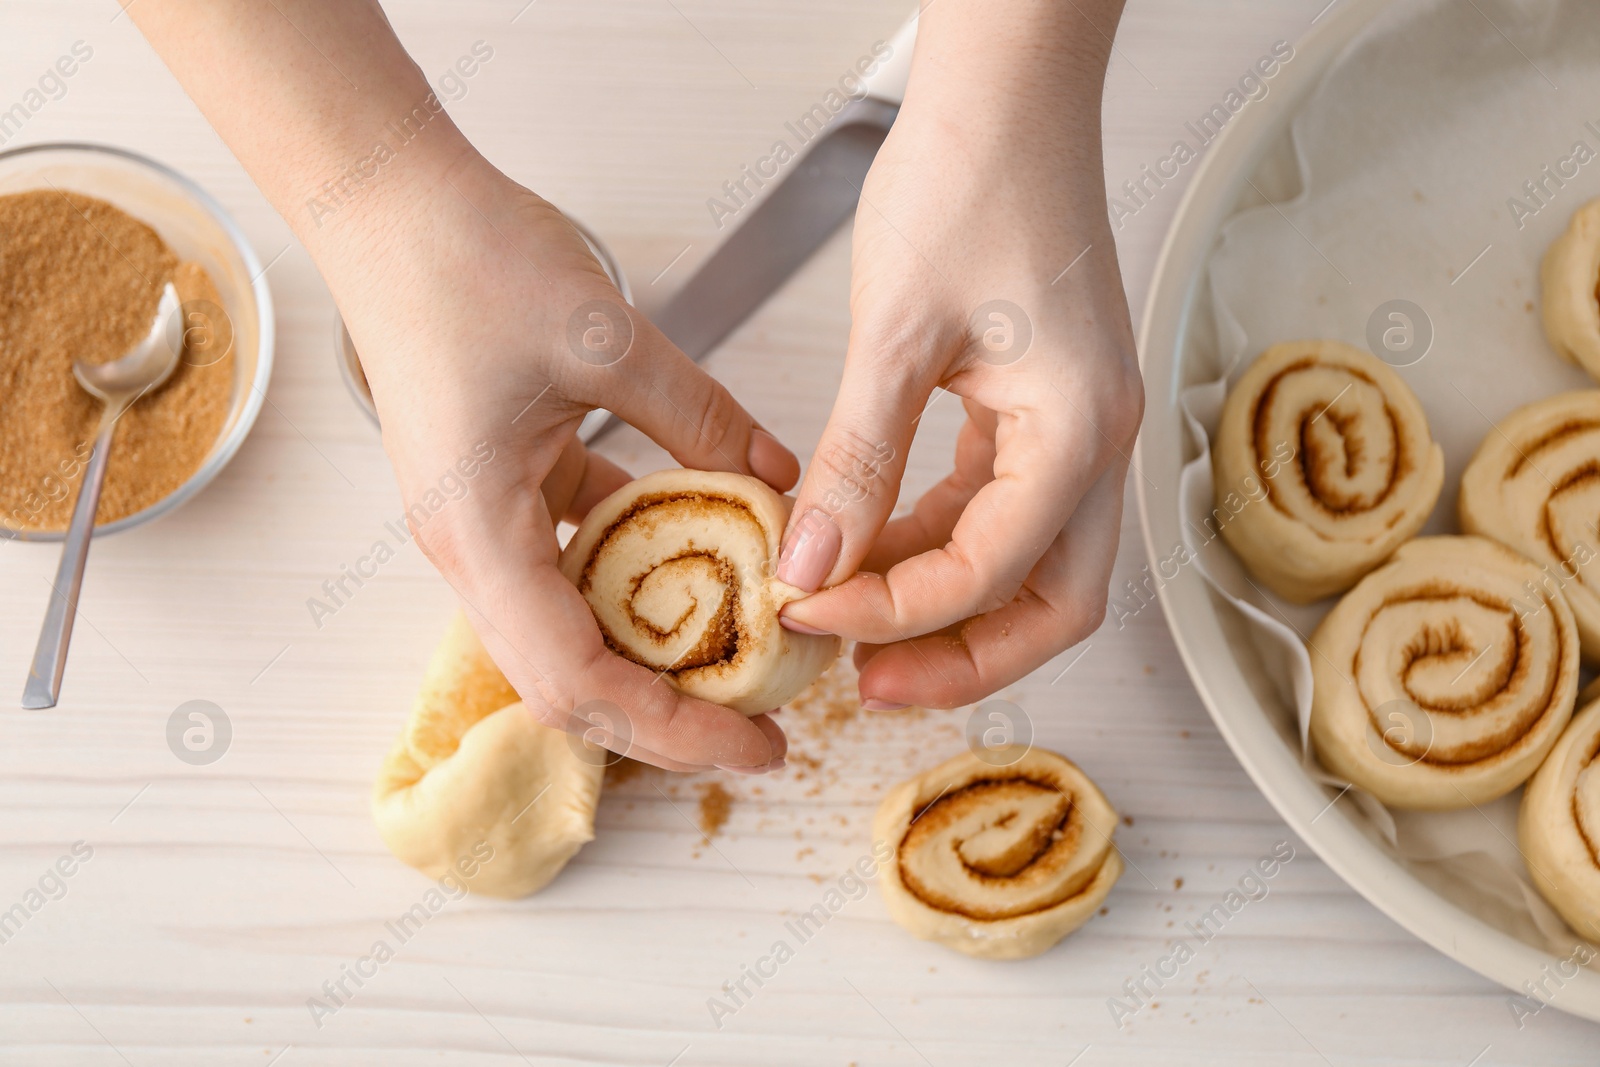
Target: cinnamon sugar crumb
(836,717)
(829,702)
(716,804)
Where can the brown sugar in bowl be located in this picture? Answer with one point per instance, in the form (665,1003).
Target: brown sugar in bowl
(153,224)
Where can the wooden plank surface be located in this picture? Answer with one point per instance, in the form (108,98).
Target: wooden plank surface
(219,899)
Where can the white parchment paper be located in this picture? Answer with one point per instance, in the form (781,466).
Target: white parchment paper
(1407,178)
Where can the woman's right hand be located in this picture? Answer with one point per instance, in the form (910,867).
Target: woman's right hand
(488,331)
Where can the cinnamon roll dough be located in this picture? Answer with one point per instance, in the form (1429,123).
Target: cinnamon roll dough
(1445,677)
(1323,465)
(1571,282)
(474,786)
(680,570)
(1534,485)
(1559,827)
(999,862)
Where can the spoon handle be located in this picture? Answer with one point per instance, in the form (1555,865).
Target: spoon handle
(50,658)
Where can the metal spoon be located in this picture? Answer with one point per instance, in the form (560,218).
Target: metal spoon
(119,384)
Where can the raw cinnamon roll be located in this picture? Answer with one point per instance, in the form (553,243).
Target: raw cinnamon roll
(1445,676)
(997,861)
(476,788)
(1559,827)
(680,570)
(1571,280)
(1534,485)
(1323,465)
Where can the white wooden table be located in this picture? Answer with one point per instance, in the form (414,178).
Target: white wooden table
(218,899)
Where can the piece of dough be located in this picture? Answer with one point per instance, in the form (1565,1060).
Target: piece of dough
(475,786)
(1571,282)
(1559,827)
(999,862)
(1534,485)
(1445,677)
(1323,465)
(680,570)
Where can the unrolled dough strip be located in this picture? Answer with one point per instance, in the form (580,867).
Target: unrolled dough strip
(999,862)
(1445,677)
(680,570)
(475,786)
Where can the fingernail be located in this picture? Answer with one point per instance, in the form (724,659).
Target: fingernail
(881,705)
(811,551)
(776,765)
(800,627)
(770,461)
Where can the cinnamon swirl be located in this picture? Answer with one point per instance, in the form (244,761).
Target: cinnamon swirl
(1534,485)
(1323,465)
(999,862)
(680,570)
(1559,826)
(1571,281)
(1445,677)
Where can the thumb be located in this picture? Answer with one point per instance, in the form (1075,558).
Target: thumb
(632,370)
(853,481)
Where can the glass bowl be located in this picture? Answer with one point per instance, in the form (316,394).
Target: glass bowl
(197,229)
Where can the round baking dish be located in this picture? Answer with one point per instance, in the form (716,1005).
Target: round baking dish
(1210,634)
